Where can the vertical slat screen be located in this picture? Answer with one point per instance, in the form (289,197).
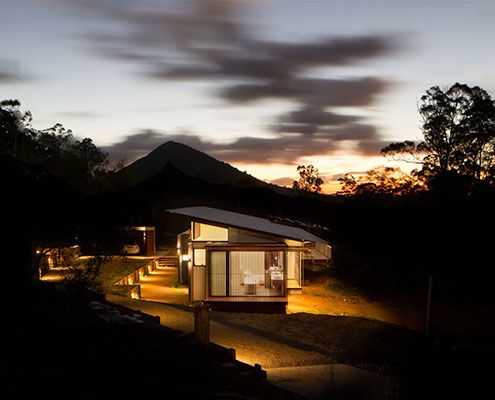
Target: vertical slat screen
(297,266)
(291,265)
(218,273)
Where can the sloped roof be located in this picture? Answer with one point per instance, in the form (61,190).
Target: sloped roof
(247,222)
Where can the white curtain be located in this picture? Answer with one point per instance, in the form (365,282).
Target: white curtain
(246,267)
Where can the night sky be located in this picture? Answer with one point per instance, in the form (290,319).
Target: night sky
(263,85)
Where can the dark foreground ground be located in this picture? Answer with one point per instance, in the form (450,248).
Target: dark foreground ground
(62,348)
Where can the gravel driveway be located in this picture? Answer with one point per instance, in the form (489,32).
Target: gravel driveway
(251,347)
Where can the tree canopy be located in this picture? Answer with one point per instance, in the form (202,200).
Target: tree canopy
(79,162)
(458,137)
(381,180)
(309,179)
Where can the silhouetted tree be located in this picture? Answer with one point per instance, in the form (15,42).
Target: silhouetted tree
(459,136)
(309,179)
(79,162)
(382,180)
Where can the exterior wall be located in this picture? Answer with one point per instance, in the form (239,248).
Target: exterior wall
(199,283)
(183,250)
(147,241)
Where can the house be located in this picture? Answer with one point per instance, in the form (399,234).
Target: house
(238,261)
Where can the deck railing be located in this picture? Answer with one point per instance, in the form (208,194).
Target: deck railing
(318,251)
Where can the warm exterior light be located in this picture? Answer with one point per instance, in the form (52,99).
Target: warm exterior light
(186,257)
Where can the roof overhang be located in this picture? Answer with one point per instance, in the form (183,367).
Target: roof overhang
(244,221)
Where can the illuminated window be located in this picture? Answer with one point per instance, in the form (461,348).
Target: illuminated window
(206,232)
(247,273)
(199,257)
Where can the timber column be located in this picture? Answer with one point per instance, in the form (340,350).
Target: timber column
(202,324)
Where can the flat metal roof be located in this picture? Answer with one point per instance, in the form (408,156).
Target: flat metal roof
(247,222)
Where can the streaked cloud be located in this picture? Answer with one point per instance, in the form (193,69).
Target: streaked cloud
(282,149)
(210,41)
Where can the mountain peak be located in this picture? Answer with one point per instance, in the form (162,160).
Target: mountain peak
(189,161)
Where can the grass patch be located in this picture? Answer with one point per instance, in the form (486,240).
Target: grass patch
(177,285)
(119,268)
(351,293)
(113,271)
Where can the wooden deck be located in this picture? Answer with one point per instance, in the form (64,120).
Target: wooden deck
(292,284)
(265,305)
(242,299)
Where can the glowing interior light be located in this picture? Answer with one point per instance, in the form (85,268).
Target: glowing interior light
(186,257)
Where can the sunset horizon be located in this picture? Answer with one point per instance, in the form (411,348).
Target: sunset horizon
(245,82)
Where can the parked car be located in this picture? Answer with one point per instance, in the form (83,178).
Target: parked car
(131,249)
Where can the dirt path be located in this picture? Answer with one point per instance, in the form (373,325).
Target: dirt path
(251,347)
(157,286)
(320,382)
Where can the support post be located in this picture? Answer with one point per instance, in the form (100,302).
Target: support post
(428,305)
(202,324)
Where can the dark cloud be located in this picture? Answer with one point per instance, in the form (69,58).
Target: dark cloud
(79,114)
(372,147)
(7,77)
(303,129)
(331,51)
(194,33)
(356,131)
(272,61)
(208,40)
(282,149)
(317,116)
(8,72)
(311,92)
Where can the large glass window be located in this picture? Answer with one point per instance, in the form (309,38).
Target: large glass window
(249,273)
